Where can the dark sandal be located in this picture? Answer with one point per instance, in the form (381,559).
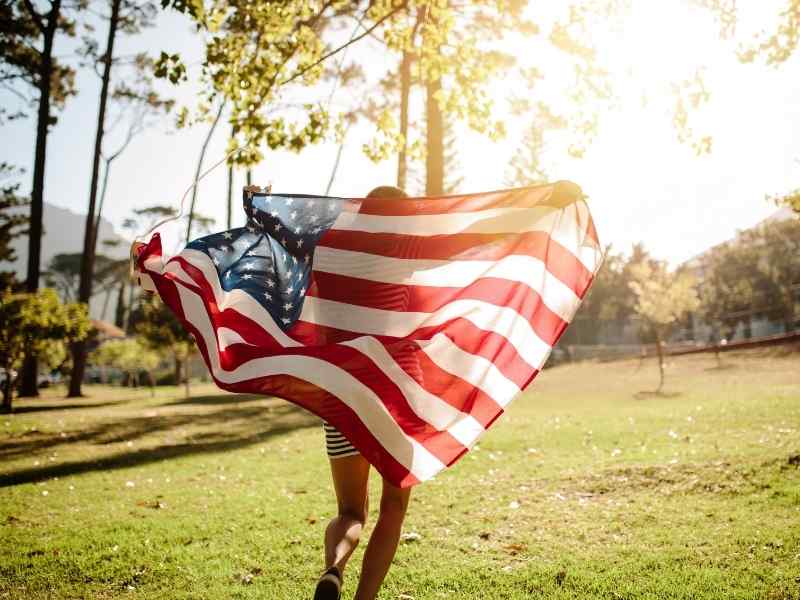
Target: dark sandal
(329,586)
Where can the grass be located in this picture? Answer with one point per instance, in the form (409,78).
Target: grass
(587,488)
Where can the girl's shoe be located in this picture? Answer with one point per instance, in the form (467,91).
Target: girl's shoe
(329,586)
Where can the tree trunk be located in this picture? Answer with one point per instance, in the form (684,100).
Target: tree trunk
(89,234)
(660,351)
(434,160)
(119,313)
(405,91)
(128,309)
(105,304)
(178,370)
(199,169)
(29,384)
(187,374)
(99,214)
(7,394)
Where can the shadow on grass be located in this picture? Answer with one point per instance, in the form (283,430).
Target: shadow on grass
(35,408)
(722,367)
(216,431)
(645,395)
(213,399)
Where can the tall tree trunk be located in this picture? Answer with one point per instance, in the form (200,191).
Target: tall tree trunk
(98,216)
(405,91)
(7,392)
(119,313)
(199,169)
(29,383)
(660,351)
(89,234)
(128,309)
(178,370)
(434,160)
(105,303)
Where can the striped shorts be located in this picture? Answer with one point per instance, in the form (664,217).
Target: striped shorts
(336,444)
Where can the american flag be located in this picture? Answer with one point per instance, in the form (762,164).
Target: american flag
(408,324)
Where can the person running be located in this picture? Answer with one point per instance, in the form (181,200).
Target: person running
(350,473)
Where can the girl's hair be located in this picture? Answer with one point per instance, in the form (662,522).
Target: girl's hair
(387,191)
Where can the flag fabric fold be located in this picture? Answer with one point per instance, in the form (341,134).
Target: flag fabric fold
(408,324)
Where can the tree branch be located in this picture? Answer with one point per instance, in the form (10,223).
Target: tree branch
(37,18)
(352,41)
(17,93)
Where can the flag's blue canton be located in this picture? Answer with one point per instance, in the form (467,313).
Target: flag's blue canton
(271,257)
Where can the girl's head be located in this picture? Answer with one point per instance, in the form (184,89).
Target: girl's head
(387,191)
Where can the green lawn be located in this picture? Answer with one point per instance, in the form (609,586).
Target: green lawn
(587,488)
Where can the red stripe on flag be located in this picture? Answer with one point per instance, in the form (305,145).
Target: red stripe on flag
(558,260)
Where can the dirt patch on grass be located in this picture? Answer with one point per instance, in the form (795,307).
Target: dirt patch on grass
(717,477)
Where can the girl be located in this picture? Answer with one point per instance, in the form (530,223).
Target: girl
(350,472)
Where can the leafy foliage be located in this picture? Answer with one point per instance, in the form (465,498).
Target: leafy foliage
(663,299)
(162,332)
(21,58)
(129,355)
(777,47)
(792,200)
(39,325)
(12,220)
(756,274)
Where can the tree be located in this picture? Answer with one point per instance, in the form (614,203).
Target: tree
(36,325)
(27,39)
(12,221)
(453,59)
(199,169)
(63,273)
(727,289)
(778,269)
(137,102)
(162,331)
(528,165)
(130,355)
(254,51)
(663,299)
(125,16)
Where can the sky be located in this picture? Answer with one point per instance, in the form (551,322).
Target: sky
(643,184)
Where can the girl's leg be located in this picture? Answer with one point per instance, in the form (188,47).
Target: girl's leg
(350,476)
(383,540)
